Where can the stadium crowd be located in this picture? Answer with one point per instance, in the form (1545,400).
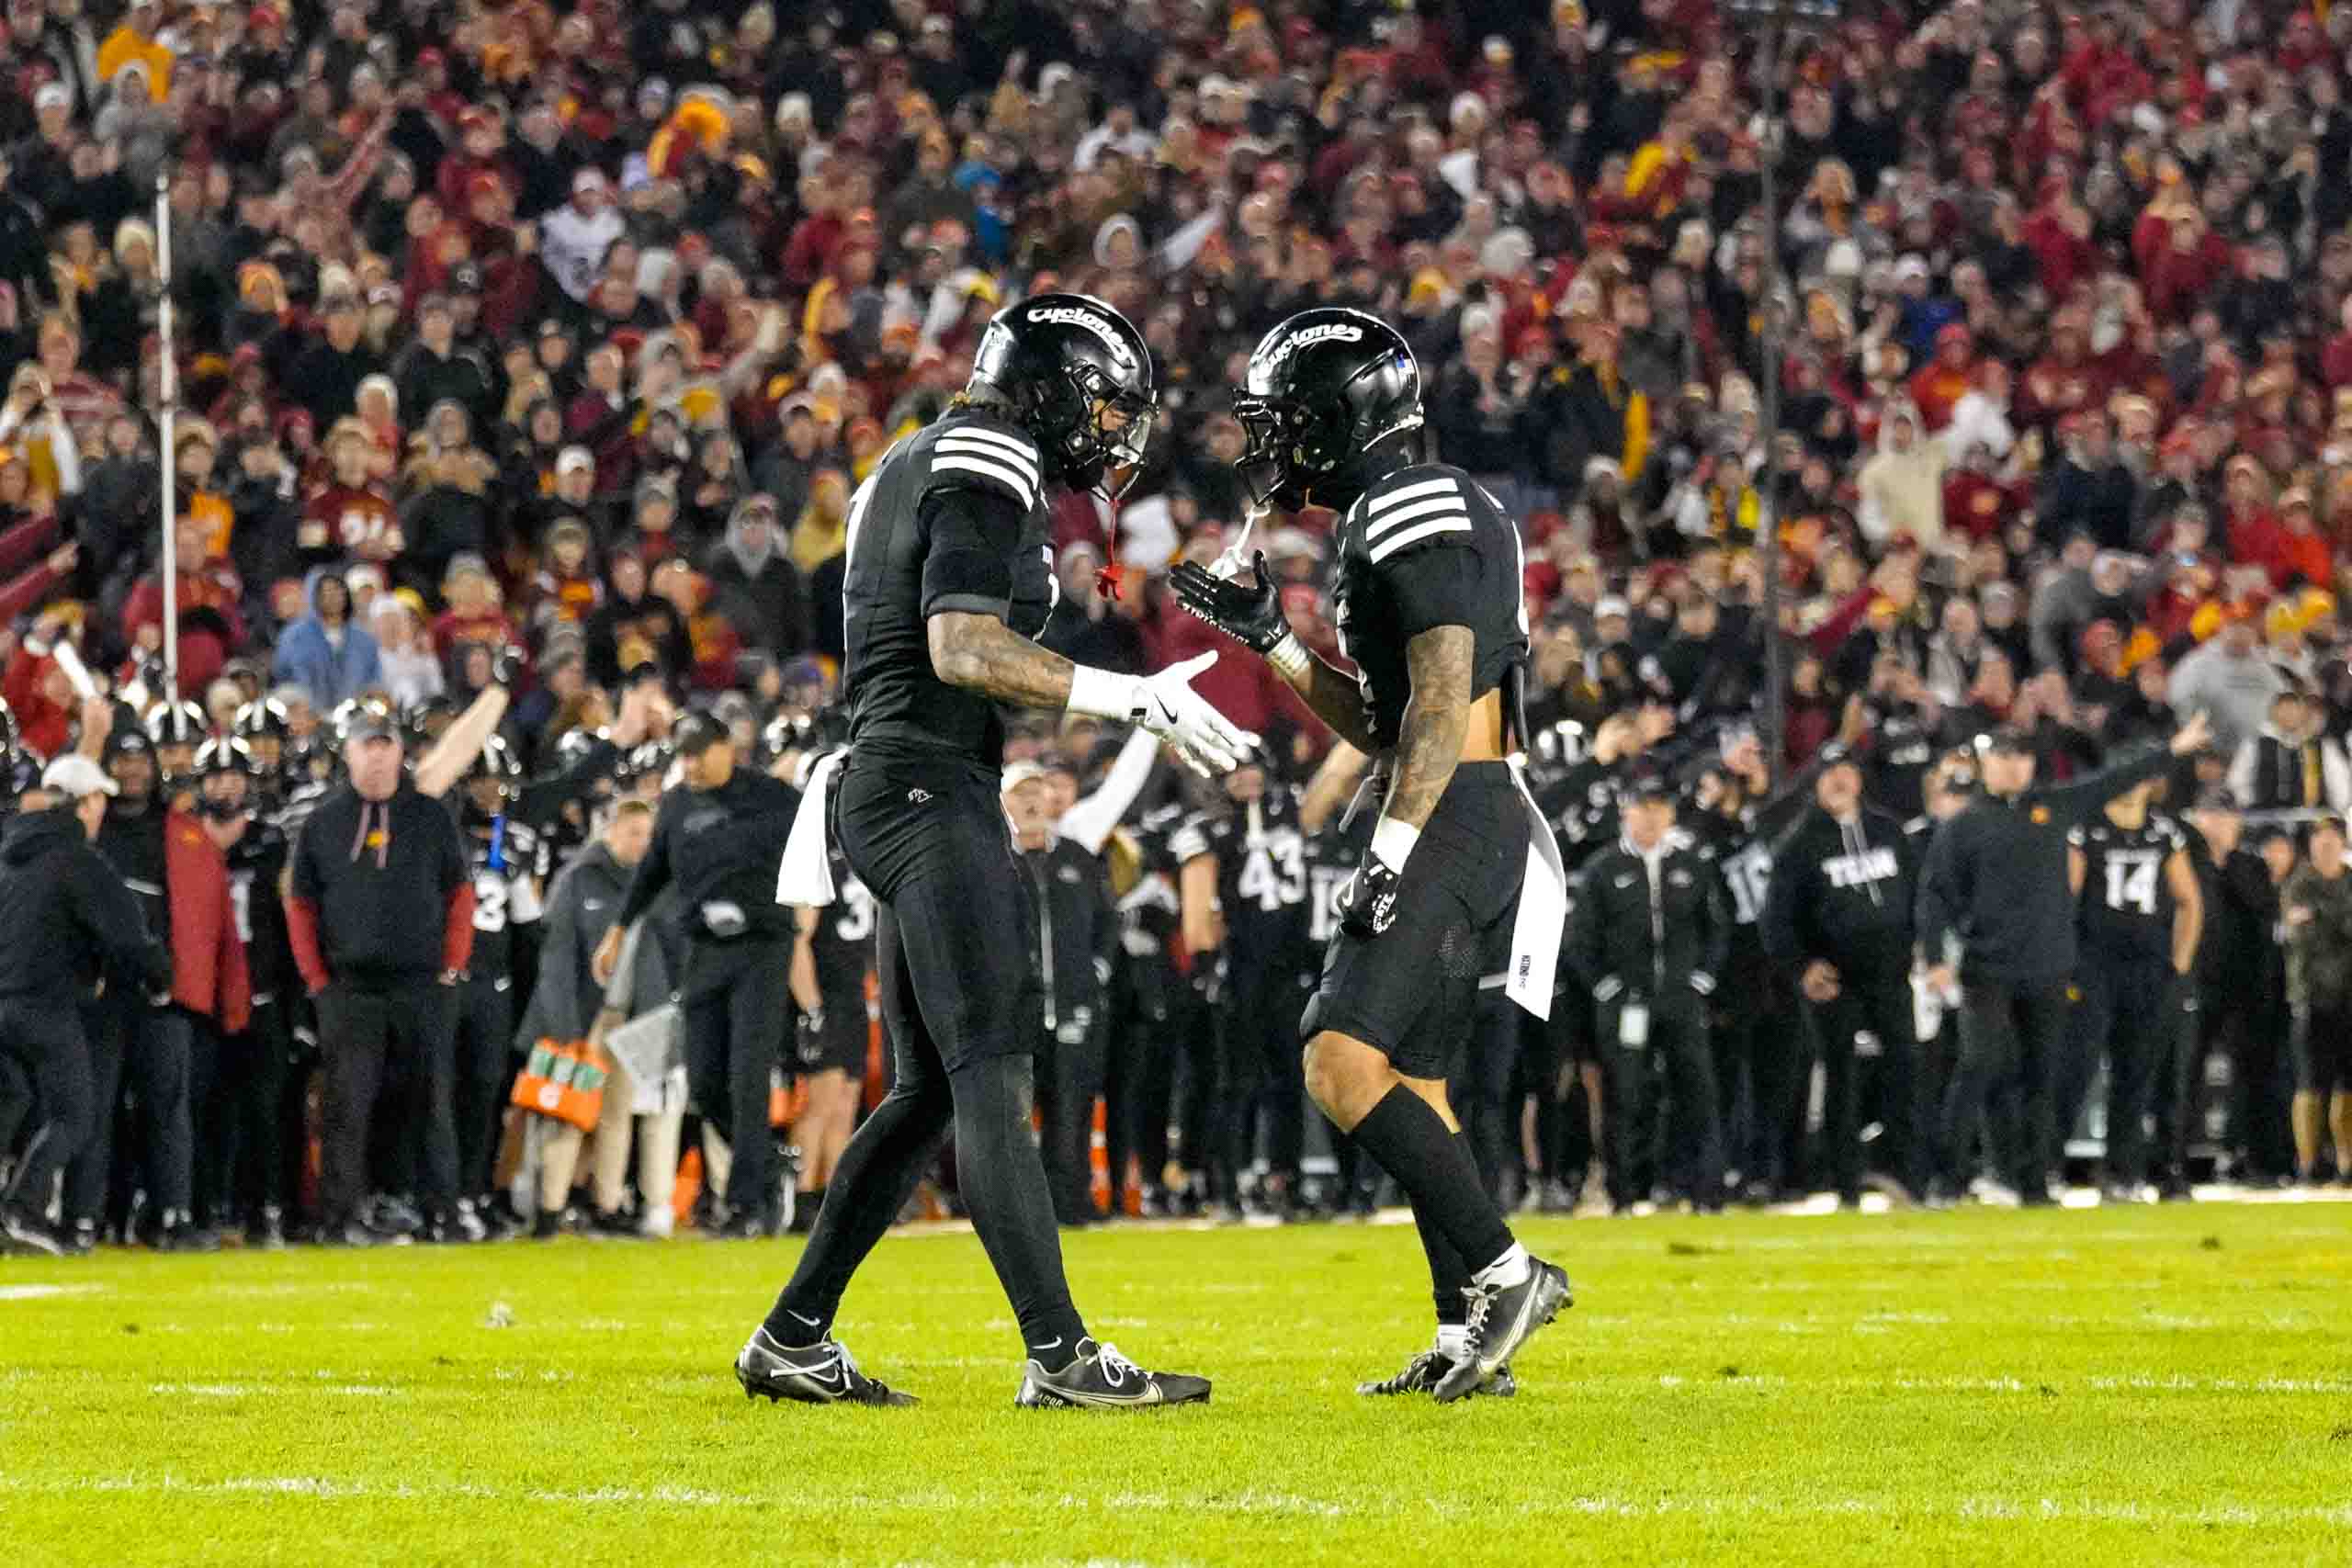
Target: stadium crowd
(529,359)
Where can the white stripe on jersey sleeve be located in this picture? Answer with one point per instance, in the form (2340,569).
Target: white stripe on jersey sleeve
(976,454)
(1013,445)
(1189,842)
(1440,506)
(1416,534)
(970,444)
(1002,475)
(1412,492)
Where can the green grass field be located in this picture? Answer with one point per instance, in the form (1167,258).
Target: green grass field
(2145,1385)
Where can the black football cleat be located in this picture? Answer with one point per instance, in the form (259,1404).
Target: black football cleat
(25,1235)
(1102,1379)
(1427,1369)
(1502,1318)
(822,1373)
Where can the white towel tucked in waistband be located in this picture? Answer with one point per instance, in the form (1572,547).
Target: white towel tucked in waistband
(807,874)
(1542,912)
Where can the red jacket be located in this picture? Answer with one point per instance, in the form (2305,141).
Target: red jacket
(207,642)
(208,973)
(43,726)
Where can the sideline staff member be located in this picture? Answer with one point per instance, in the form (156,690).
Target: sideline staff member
(59,900)
(383,923)
(720,839)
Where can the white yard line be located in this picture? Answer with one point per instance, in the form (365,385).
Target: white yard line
(2220,1513)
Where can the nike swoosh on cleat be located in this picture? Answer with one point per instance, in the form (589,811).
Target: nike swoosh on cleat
(1053,1344)
(798,1318)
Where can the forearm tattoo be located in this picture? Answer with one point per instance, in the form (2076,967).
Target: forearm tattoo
(1428,740)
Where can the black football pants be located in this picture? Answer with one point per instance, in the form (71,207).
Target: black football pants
(737,1015)
(2012,1040)
(43,1048)
(145,1050)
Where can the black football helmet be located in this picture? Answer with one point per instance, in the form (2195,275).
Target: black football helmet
(494,781)
(264,720)
(1322,388)
(1063,360)
(222,754)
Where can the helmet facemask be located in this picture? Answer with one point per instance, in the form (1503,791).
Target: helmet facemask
(1092,455)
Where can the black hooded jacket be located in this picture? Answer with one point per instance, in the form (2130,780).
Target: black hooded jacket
(64,915)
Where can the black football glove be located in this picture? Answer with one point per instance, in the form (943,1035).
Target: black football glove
(809,1038)
(1367,900)
(1249,612)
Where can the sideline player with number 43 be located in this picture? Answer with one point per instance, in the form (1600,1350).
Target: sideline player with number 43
(1429,609)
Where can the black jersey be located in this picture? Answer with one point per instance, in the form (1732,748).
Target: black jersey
(953,518)
(132,842)
(1262,883)
(1425,546)
(1581,804)
(1901,749)
(843,942)
(2127,903)
(1150,912)
(254,862)
(508,862)
(1740,847)
(1332,857)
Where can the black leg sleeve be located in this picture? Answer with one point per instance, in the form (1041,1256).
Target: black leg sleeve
(1003,1182)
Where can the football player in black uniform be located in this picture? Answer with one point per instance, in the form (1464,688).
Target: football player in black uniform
(831,961)
(1243,882)
(1146,999)
(2141,914)
(246,1152)
(1430,611)
(947,577)
(508,860)
(1759,1072)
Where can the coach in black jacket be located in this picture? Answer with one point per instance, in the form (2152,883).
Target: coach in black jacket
(1995,911)
(720,840)
(381,921)
(1647,937)
(1838,915)
(62,907)
(2240,1000)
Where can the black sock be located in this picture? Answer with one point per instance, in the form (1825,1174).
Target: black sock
(1410,1143)
(1448,1276)
(1002,1178)
(875,1177)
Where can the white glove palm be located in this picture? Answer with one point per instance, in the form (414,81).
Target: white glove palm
(1166,705)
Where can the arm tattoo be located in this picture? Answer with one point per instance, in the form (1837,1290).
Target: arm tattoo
(981,653)
(1336,700)
(1428,741)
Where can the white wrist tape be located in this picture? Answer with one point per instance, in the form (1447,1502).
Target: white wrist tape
(1104,693)
(1289,657)
(1393,842)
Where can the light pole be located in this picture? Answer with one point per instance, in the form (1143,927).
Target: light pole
(1771,20)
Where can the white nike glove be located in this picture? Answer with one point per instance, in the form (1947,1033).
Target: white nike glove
(1166,705)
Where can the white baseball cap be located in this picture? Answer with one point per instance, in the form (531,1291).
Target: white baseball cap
(1019,774)
(74,776)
